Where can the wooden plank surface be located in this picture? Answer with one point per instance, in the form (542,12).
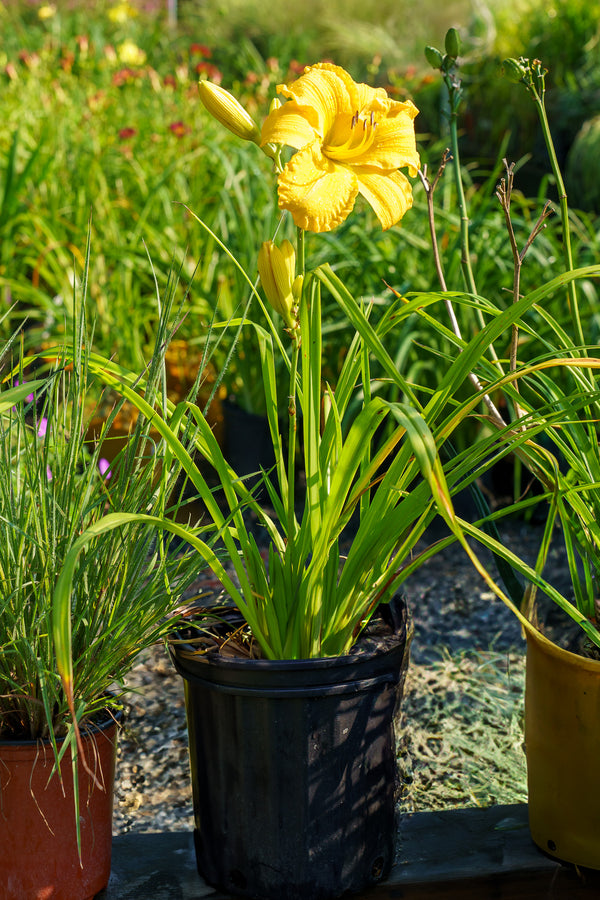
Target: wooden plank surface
(461,854)
(478,853)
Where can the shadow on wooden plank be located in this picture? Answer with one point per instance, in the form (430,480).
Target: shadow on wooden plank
(458,854)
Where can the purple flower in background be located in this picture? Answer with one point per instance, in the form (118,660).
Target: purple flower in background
(43,426)
(104,466)
(48,473)
(28,398)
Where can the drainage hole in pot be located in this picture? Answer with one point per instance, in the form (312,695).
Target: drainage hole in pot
(237,879)
(377,867)
(551,846)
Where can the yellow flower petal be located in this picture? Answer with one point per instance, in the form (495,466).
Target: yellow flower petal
(327,89)
(386,144)
(389,193)
(291,124)
(370,98)
(319,194)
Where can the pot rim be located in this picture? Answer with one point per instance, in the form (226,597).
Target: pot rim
(545,645)
(382,645)
(107,717)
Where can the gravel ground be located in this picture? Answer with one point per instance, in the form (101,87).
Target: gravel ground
(460,727)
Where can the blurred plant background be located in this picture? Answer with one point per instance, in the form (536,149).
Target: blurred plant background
(102,124)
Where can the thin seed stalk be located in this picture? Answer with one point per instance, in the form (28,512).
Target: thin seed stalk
(465,260)
(564,212)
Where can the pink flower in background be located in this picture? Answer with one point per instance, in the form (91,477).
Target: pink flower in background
(29,397)
(43,427)
(48,473)
(104,467)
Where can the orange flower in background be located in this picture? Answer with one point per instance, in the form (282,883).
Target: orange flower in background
(125,76)
(351,139)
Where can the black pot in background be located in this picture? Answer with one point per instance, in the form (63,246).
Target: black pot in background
(294,772)
(247,443)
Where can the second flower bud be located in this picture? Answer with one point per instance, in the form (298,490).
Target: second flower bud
(277,270)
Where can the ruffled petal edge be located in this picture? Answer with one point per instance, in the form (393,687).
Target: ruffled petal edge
(318,194)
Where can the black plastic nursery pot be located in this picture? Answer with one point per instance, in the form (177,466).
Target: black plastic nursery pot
(294,773)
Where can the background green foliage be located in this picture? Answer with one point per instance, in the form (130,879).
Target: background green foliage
(90,136)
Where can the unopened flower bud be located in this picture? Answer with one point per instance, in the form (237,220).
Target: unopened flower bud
(277,269)
(452,43)
(225,109)
(434,57)
(514,70)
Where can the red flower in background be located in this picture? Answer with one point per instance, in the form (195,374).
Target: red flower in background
(126,133)
(210,70)
(179,129)
(200,50)
(124,76)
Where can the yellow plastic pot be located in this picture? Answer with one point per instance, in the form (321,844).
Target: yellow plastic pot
(562,740)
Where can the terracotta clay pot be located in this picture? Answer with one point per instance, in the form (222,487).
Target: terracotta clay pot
(562,739)
(38,840)
(181,366)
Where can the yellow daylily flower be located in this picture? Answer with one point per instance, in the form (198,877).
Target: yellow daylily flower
(351,139)
(47,11)
(120,13)
(130,54)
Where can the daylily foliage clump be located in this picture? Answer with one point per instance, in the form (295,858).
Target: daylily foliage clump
(308,598)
